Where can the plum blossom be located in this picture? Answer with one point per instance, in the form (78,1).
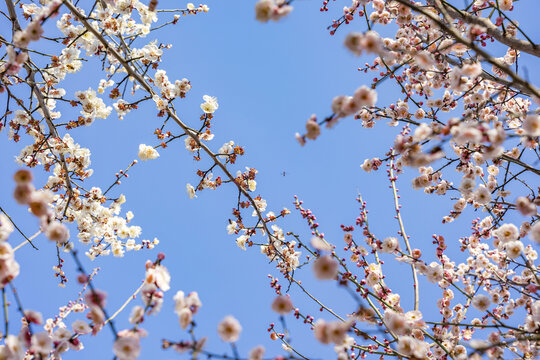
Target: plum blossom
(42,343)
(353,42)
(210,104)
(158,275)
(241,241)
(137,314)
(525,206)
(282,305)
(313,128)
(57,232)
(389,245)
(229,329)
(266,10)
(365,96)
(506,233)
(506,5)
(331,332)
(514,249)
(190,191)
(320,244)
(531,125)
(409,345)
(325,268)
(481,302)
(147,152)
(81,327)
(6,228)
(534,233)
(184,317)
(256,353)
(127,348)
(482,195)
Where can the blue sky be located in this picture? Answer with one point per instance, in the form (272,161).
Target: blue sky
(268,78)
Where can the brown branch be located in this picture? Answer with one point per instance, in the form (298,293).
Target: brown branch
(470,44)
(397,206)
(520,163)
(189,131)
(493,31)
(29,240)
(41,99)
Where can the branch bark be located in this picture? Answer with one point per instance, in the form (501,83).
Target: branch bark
(493,31)
(470,44)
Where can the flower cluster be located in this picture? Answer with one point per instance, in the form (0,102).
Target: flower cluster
(15,61)
(92,107)
(9,268)
(360,104)
(169,90)
(38,202)
(229,329)
(460,109)
(22,38)
(185,307)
